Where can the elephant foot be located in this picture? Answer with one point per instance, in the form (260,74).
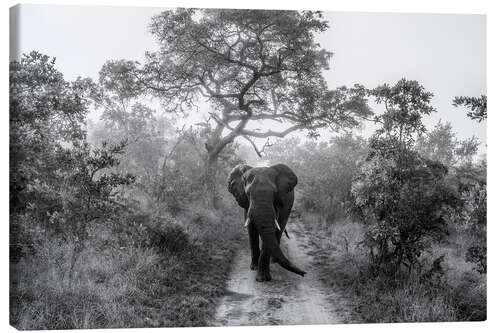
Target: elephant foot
(273,260)
(253,266)
(262,277)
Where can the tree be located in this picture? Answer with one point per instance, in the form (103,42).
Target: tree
(466,150)
(165,160)
(402,197)
(87,191)
(45,112)
(405,104)
(477,106)
(441,145)
(59,185)
(151,137)
(250,65)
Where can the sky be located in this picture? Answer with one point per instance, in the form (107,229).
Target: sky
(446,53)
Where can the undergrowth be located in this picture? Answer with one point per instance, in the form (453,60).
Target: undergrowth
(145,272)
(446,290)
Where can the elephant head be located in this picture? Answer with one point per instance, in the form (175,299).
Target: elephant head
(259,190)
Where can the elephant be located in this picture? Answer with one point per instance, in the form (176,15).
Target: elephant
(266,194)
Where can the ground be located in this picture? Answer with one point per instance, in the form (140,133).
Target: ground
(288,299)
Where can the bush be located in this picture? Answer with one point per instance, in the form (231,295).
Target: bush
(473,216)
(164,234)
(404,200)
(469,298)
(166,238)
(477,255)
(444,289)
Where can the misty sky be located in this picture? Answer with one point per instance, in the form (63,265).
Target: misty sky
(445,53)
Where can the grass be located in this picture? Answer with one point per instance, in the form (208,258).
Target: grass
(456,294)
(128,285)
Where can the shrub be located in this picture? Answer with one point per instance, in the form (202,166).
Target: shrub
(470,216)
(477,254)
(403,199)
(162,233)
(469,297)
(166,238)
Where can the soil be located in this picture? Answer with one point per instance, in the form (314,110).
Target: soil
(288,299)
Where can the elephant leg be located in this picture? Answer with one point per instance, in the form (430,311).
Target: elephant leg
(263,273)
(253,236)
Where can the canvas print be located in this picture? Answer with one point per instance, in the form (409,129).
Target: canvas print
(223,167)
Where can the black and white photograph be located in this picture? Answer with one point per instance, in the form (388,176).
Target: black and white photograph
(197,167)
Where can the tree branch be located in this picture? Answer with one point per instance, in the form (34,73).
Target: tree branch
(278,134)
(259,152)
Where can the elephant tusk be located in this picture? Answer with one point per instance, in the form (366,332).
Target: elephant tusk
(247,221)
(277,225)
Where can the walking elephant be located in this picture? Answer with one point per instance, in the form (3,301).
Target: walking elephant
(266,194)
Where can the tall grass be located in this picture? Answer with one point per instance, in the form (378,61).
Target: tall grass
(451,291)
(140,283)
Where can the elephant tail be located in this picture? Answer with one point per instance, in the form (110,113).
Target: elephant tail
(269,240)
(286,234)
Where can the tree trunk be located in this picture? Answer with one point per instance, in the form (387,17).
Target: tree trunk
(214,145)
(211,173)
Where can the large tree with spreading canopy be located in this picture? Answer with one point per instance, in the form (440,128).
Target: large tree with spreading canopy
(249,65)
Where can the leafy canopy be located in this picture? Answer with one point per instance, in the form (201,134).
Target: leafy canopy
(478,106)
(406,102)
(249,65)
(440,144)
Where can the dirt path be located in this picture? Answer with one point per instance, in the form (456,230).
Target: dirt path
(287,300)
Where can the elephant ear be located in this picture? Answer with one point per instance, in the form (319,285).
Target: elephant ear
(286,178)
(235,184)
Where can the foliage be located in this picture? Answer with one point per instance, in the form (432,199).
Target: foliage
(45,112)
(466,150)
(173,239)
(441,145)
(449,292)
(477,255)
(478,106)
(406,102)
(404,205)
(402,197)
(472,214)
(58,183)
(169,162)
(87,191)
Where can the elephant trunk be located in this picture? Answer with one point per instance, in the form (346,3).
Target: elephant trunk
(271,243)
